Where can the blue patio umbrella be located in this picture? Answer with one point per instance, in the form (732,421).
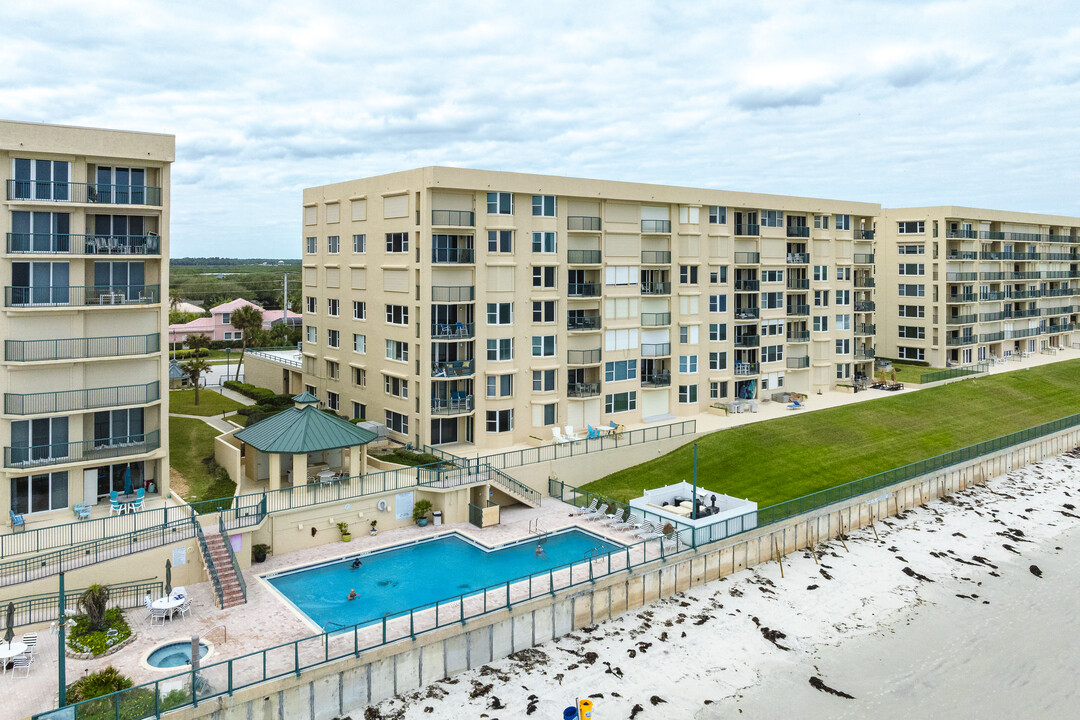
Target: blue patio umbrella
(127,480)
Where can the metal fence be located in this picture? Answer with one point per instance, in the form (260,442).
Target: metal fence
(74,400)
(956,372)
(76,348)
(40,609)
(77,533)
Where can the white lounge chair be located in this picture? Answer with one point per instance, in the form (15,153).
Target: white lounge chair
(597,514)
(591,508)
(615,518)
(633,522)
(646,528)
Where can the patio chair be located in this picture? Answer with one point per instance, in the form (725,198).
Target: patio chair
(185,607)
(115,508)
(615,518)
(158,614)
(592,433)
(570,434)
(646,528)
(24,662)
(140,499)
(17,520)
(30,640)
(585,510)
(597,514)
(82,512)
(557,436)
(631,524)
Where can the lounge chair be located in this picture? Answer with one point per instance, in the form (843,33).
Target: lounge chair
(646,528)
(17,520)
(632,522)
(615,518)
(115,508)
(591,508)
(597,514)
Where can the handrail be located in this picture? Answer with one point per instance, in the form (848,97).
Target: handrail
(77,192)
(42,608)
(232,557)
(498,477)
(224,630)
(80,348)
(81,450)
(211,570)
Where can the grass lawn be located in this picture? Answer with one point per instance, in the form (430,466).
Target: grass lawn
(182,402)
(191,453)
(777,460)
(908,373)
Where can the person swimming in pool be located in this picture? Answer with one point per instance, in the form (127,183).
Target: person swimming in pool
(540,551)
(352,595)
(356,564)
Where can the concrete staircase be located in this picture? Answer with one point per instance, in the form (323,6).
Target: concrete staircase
(219,557)
(515,489)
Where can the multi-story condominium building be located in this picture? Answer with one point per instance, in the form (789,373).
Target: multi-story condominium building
(465,306)
(85,217)
(960,285)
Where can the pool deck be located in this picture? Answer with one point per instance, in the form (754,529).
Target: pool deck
(267,620)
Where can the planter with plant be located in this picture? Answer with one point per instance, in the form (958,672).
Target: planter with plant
(373,529)
(420,512)
(343,528)
(259,551)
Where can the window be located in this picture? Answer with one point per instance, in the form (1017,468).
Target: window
(544,277)
(312,245)
(48,180)
(500,313)
(772,276)
(333,338)
(911,250)
(688,393)
(500,241)
(620,339)
(500,203)
(47,438)
(543,346)
(912,291)
(843,322)
(332,370)
(821,222)
(718,276)
(912,311)
(543,242)
(397,422)
(688,364)
(499,421)
(688,334)
(500,386)
(772,353)
(821,323)
(500,349)
(843,222)
(717,390)
(38,493)
(397,242)
(821,298)
(772,300)
(718,361)
(620,370)
(312,334)
(843,346)
(395,386)
(772,327)
(311,390)
(621,275)
(332,307)
(359,344)
(910,353)
(717,332)
(359,310)
(912,332)
(843,297)
(543,205)
(359,411)
(843,273)
(911,269)
(688,274)
(543,311)
(397,350)
(310,304)
(910,227)
(772,218)
(397,315)
(821,273)
(549,414)
(620,402)
(359,245)
(843,371)
(717,303)
(226,318)
(543,380)
(717,215)
(689,215)
(359,377)
(333,244)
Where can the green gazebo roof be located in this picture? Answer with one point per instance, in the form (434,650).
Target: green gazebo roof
(305,398)
(303,430)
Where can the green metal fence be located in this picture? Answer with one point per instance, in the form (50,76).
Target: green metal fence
(956,372)
(40,609)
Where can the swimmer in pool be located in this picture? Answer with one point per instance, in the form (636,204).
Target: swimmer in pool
(356,564)
(352,595)
(540,551)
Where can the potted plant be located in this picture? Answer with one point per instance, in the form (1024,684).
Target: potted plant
(343,528)
(420,512)
(258,552)
(668,529)
(373,524)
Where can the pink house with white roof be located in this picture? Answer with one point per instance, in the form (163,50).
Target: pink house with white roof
(219,325)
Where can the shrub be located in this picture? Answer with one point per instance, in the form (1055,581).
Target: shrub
(188,354)
(258,552)
(94,601)
(420,510)
(97,684)
(83,638)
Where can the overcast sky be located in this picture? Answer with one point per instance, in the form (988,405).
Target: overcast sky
(902,103)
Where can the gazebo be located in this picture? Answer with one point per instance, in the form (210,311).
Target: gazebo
(304,430)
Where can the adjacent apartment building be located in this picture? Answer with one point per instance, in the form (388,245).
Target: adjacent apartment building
(85,218)
(961,285)
(466,306)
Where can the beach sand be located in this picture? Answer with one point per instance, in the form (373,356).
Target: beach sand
(962,608)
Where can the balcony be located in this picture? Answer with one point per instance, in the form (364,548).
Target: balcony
(582,223)
(583,322)
(991,295)
(960,340)
(1025,294)
(453,255)
(77,400)
(1030,312)
(452,331)
(82,451)
(452,293)
(863,258)
(863,354)
(798,310)
(864,306)
(455,218)
(798,363)
(583,289)
(747,341)
(583,357)
(1027,332)
(656,380)
(747,313)
(864,281)
(961,277)
(582,389)
(1060,292)
(57,244)
(798,283)
(655,349)
(1027,256)
(991,337)
(962,255)
(747,368)
(81,296)
(91,193)
(964,297)
(656,257)
(457,403)
(747,258)
(993,317)
(863,329)
(962,319)
(992,276)
(583,257)
(747,229)
(747,285)
(81,348)
(1065,327)
(649,287)
(861,234)
(453,368)
(655,319)
(798,258)
(799,336)
(1063,310)
(962,234)
(798,231)
(655,227)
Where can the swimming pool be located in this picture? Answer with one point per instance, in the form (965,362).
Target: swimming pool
(404,577)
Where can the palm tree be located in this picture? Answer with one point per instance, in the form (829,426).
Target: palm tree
(193,371)
(197,342)
(246,319)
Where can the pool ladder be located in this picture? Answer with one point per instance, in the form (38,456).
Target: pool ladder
(593,553)
(534,529)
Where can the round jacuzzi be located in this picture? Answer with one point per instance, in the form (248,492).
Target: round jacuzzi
(174,655)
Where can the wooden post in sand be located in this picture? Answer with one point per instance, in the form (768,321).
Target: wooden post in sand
(810,539)
(841,535)
(872,521)
(776,554)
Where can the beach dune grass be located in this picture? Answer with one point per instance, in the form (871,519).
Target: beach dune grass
(769,462)
(191,453)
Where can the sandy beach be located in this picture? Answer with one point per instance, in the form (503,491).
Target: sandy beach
(962,608)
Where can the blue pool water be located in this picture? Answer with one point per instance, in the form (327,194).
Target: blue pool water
(174,655)
(410,576)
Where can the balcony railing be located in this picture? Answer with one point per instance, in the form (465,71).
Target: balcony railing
(962,319)
(81,348)
(798,283)
(76,400)
(1063,310)
(655,349)
(655,319)
(1060,292)
(991,295)
(1027,256)
(96,193)
(798,231)
(81,451)
(798,310)
(649,287)
(864,306)
(452,331)
(960,340)
(864,354)
(797,363)
(861,234)
(964,298)
(745,368)
(63,244)
(456,404)
(452,293)
(962,255)
(656,226)
(961,276)
(583,257)
(747,229)
(656,380)
(865,329)
(747,341)
(582,223)
(583,322)
(458,218)
(656,257)
(747,258)
(1030,312)
(453,368)
(992,337)
(1064,327)
(798,258)
(964,234)
(992,276)
(747,313)
(747,285)
(1025,294)
(81,296)
(863,281)
(583,390)
(994,316)
(863,258)
(1023,333)
(583,357)
(798,336)
(583,289)
(461,256)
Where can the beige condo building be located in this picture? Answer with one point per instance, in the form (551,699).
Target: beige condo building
(85,220)
(491,308)
(961,285)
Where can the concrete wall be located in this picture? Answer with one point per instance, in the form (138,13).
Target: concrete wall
(265,373)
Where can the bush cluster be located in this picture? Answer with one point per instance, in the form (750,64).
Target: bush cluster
(188,354)
(84,639)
